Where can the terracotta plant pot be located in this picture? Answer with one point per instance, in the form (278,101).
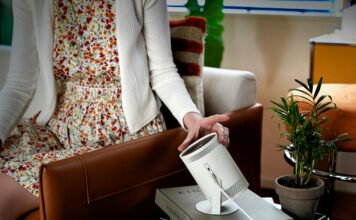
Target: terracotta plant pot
(300,203)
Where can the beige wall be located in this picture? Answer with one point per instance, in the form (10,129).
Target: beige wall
(276,50)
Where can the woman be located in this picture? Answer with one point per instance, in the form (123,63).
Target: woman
(109,60)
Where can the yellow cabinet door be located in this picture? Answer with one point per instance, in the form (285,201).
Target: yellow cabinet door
(336,63)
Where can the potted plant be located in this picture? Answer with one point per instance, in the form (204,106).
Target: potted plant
(299,193)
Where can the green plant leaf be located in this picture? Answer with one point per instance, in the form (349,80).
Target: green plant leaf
(279,111)
(321,98)
(302,91)
(323,106)
(285,102)
(325,110)
(302,84)
(279,105)
(344,139)
(303,97)
(339,139)
(320,122)
(331,99)
(310,83)
(343,134)
(318,87)
(305,113)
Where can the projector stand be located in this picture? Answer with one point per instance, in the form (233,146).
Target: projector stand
(214,206)
(205,207)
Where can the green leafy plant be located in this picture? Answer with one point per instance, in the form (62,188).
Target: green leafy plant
(304,128)
(212,12)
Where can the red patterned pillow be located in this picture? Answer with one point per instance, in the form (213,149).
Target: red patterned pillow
(187,39)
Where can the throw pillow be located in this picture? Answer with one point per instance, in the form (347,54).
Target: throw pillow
(187,39)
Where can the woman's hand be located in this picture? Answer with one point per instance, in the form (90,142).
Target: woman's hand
(198,127)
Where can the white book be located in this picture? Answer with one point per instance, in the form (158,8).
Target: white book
(179,204)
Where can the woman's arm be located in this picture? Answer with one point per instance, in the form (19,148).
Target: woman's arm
(22,76)
(166,81)
(164,78)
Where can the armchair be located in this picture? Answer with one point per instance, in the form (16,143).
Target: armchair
(120,181)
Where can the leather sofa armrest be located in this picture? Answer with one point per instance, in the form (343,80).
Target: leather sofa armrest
(227,90)
(116,182)
(119,182)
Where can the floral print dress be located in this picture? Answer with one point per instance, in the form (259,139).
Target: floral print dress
(89,112)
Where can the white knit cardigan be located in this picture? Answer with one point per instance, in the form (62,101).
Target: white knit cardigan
(146,64)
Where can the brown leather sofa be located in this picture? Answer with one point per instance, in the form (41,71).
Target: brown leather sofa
(119,182)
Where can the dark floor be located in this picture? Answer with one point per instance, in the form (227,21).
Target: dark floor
(344,205)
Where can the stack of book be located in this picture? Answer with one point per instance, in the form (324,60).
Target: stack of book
(179,204)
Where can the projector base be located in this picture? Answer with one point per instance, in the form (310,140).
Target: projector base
(205,207)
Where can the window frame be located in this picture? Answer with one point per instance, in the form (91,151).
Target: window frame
(327,8)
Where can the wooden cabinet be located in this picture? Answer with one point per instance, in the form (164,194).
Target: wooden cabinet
(335,62)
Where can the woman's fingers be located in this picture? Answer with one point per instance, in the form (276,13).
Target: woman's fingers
(212,120)
(205,126)
(192,136)
(223,133)
(212,124)
(227,136)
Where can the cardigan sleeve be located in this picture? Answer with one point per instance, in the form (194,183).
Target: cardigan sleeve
(164,78)
(22,76)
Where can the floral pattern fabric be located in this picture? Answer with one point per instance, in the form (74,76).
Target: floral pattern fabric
(89,113)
